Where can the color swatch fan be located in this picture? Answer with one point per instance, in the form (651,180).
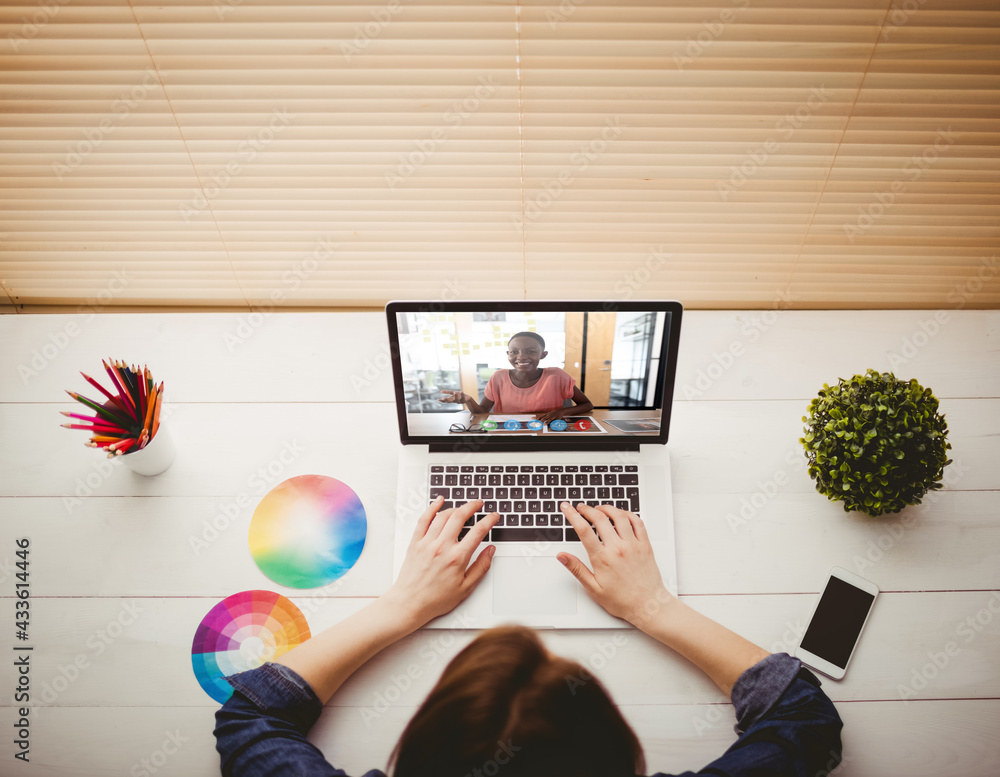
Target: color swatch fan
(308,531)
(242,632)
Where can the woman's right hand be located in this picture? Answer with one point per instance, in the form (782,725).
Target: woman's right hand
(454,397)
(625,580)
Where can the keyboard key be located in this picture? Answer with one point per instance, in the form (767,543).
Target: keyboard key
(604,493)
(462,533)
(574,493)
(545,493)
(589,493)
(549,534)
(538,480)
(470,522)
(472,493)
(552,480)
(631,468)
(622,504)
(437,468)
(482,468)
(458,494)
(565,480)
(504,493)
(467,468)
(527,468)
(596,480)
(517,493)
(628,480)
(520,507)
(541,469)
(510,469)
(503,508)
(479,480)
(465,480)
(437,480)
(555,468)
(496,468)
(524,480)
(556,520)
(601,468)
(549,507)
(436,492)
(490,506)
(531,493)
(580,480)
(586,468)
(451,468)
(486,493)
(509,480)
(534,507)
(541,520)
(618,492)
(560,493)
(572,469)
(527,520)
(493,480)
(447,504)
(610,480)
(451,480)
(500,521)
(616,467)
(511,520)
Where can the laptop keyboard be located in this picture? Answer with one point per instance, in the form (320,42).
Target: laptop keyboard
(527,496)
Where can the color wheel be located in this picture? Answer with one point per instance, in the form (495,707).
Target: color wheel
(308,531)
(242,632)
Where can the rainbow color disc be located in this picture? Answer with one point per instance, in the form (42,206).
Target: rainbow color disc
(242,632)
(308,531)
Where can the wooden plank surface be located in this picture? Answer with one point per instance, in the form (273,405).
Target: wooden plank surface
(124,567)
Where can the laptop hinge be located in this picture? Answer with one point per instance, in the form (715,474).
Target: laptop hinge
(595,445)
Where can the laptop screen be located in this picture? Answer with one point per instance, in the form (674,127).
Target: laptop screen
(539,374)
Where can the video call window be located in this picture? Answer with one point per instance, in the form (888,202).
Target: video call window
(613,357)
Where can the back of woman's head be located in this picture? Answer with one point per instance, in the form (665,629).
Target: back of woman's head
(504,705)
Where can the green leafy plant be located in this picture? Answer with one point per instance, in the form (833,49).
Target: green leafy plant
(875,442)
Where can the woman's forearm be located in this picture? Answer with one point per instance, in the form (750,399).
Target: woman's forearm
(326,660)
(720,653)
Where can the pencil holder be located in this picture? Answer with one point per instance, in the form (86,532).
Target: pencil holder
(156,457)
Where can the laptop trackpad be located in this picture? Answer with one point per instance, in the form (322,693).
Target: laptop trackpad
(537,585)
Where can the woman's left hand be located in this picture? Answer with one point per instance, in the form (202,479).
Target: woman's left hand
(550,416)
(436,575)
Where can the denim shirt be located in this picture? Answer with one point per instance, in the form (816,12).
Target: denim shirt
(786,725)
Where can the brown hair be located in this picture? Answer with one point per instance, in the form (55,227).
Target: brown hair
(504,705)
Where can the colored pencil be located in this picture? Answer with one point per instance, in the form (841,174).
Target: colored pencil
(156,411)
(91,419)
(106,413)
(117,379)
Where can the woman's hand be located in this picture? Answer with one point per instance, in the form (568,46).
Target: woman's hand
(436,576)
(550,415)
(626,581)
(454,397)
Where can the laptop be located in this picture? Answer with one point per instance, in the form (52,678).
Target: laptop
(603,370)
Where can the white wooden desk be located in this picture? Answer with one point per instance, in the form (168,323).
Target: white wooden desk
(124,567)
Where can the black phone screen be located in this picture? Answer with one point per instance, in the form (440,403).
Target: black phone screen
(837,622)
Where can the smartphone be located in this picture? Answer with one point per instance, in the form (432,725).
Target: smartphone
(836,623)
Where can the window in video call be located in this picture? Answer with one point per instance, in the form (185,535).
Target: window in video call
(529,364)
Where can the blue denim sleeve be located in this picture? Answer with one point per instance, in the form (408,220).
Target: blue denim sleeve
(786,724)
(261,731)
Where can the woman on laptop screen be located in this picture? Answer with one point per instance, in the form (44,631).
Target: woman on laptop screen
(505,705)
(526,387)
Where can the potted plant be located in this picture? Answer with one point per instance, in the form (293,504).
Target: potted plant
(875,442)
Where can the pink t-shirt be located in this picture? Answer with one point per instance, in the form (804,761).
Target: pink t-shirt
(548,393)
